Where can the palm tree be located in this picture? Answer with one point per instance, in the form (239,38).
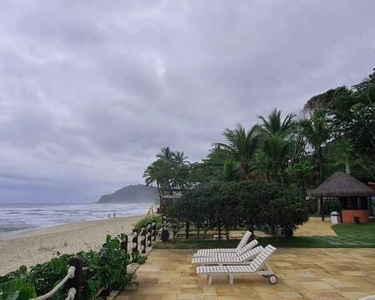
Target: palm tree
(156,173)
(229,171)
(241,145)
(179,157)
(165,153)
(276,135)
(317,132)
(274,126)
(302,172)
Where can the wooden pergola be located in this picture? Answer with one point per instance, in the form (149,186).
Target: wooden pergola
(352,193)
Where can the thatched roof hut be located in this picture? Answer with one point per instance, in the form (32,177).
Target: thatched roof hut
(353,195)
(343,185)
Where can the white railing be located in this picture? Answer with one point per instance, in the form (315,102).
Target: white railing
(71,292)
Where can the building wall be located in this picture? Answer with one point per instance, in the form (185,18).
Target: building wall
(348,216)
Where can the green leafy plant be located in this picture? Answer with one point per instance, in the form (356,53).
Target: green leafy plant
(104,269)
(144,222)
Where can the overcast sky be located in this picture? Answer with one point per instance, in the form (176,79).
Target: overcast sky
(91,90)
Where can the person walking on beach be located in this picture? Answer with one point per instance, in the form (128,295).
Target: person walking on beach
(109,215)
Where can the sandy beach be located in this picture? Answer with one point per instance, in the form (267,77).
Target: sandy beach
(37,246)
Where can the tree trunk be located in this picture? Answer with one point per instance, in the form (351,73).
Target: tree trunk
(320,161)
(227,233)
(245,167)
(219,231)
(347,166)
(288,232)
(159,190)
(198,231)
(187,230)
(322,208)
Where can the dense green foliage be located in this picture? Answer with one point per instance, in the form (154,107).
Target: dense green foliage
(170,171)
(104,268)
(246,204)
(334,132)
(348,236)
(144,222)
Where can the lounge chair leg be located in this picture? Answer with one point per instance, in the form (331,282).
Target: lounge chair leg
(230,279)
(209,279)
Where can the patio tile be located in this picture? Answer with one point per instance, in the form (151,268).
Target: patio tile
(334,274)
(289,295)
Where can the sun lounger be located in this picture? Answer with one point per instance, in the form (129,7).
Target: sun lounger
(228,258)
(208,252)
(238,252)
(258,266)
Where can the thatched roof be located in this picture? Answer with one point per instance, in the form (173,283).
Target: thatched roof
(342,185)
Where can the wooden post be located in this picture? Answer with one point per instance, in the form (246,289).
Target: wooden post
(124,244)
(165,222)
(149,230)
(135,241)
(143,240)
(76,281)
(153,230)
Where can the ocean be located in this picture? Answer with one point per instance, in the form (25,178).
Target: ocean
(15,218)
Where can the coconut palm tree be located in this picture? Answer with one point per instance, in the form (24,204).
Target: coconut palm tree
(317,133)
(274,125)
(157,173)
(276,139)
(165,153)
(241,145)
(302,172)
(179,157)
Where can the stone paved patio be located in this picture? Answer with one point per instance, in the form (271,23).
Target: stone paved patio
(315,227)
(303,274)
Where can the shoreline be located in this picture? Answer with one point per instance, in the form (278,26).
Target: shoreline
(40,245)
(36,230)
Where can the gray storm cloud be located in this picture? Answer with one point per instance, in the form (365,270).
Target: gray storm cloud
(90,91)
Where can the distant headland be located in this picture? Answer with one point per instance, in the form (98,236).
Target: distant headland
(131,194)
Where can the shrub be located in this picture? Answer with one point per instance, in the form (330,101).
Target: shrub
(144,222)
(246,204)
(288,210)
(105,268)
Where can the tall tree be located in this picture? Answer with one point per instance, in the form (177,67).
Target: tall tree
(170,171)
(165,154)
(159,173)
(317,132)
(241,144)
(276,139)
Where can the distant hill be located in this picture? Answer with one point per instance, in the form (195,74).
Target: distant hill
(132,194)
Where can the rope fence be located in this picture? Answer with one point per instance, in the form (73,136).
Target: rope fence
(73,277)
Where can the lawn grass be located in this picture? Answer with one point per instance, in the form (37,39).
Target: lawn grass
(355,229)
(296,242)
(349,236)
